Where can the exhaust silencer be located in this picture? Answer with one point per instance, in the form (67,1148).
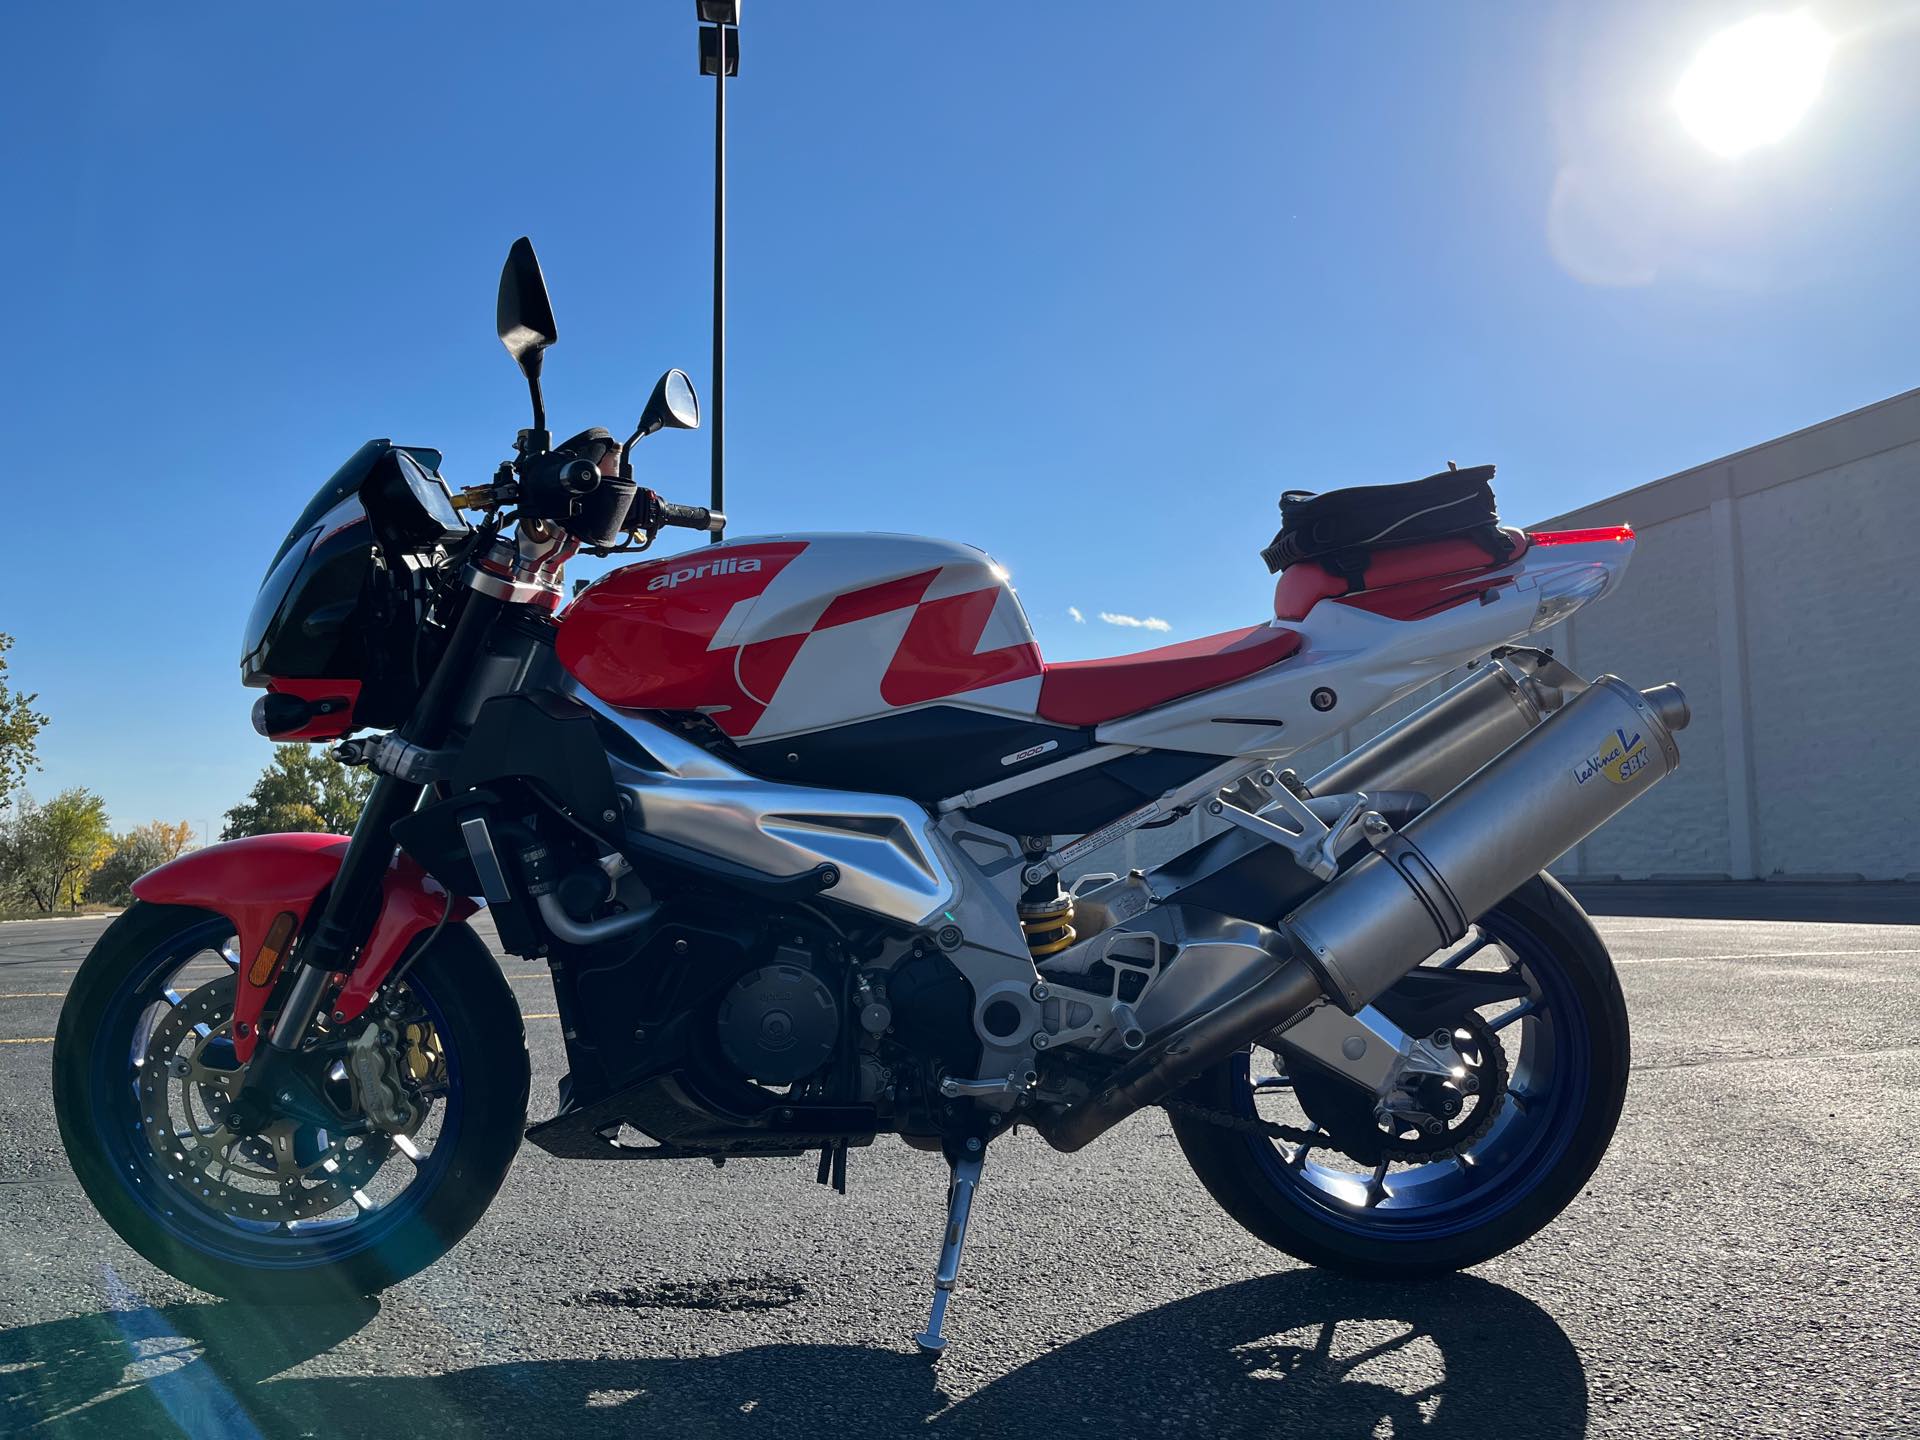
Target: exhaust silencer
(1517,814)
(1454,734)
(1513,816)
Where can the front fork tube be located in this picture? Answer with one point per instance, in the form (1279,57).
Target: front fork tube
(347,915)
(344,920)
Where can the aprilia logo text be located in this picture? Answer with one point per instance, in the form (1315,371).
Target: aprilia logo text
(728,566)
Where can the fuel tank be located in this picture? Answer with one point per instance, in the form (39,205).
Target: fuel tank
(781,634)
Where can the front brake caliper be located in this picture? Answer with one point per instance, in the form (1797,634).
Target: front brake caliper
(374,1070)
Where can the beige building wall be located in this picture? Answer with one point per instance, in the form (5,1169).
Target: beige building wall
(1780,587)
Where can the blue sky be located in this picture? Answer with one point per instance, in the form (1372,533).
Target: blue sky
(1085,285)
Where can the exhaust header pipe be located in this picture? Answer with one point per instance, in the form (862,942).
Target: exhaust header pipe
(1424,885)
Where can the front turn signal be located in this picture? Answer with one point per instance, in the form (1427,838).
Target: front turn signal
(267,959)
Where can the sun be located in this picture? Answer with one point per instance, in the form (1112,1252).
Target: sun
(1751,83)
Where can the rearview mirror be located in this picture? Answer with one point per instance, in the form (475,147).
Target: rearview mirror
(525,313)
(672,405)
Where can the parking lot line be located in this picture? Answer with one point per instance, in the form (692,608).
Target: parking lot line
(1854,954)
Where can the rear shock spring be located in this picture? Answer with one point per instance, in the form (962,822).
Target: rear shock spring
(1048,925)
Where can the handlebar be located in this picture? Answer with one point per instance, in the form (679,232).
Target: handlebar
(692,517)
(651,513)
(595,508)
(551,484)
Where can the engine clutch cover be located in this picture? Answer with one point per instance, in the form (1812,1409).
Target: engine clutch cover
(778,1024)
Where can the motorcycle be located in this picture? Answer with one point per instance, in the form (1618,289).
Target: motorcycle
(789,817)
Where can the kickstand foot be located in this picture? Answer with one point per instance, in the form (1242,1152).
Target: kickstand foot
(932,1341)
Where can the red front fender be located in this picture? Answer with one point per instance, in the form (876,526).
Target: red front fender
(252,881)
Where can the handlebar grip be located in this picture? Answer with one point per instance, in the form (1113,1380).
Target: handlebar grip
(692,517)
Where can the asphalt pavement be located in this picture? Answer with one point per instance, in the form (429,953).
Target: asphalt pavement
(1743,1264)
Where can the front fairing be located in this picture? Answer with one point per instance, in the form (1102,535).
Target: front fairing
(339,602)
(345,483)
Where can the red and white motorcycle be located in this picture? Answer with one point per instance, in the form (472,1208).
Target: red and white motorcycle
(789,819)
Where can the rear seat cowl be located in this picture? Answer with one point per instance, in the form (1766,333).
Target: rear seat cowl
(1303,586)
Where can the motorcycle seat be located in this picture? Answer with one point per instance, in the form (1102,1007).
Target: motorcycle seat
(1091,692)
(1404,581)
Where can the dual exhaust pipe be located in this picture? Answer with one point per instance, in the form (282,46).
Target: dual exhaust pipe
(1528,760)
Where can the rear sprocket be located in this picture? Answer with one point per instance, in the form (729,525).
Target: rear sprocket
(1449,1114)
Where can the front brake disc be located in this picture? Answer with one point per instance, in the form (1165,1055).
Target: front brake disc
(284,1172)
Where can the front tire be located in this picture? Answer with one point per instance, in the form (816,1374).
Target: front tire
(294,1213)
(1567,1051)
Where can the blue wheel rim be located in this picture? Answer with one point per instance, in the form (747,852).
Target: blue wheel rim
(116,1114)
(1550,1079)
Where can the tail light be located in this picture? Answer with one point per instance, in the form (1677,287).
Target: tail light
(1618,533)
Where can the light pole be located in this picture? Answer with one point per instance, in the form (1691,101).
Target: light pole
(720,58)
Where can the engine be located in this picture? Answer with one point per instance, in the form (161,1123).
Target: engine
(801,1016)
(779,1023)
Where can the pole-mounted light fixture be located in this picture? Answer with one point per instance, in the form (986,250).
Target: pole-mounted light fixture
(720,58)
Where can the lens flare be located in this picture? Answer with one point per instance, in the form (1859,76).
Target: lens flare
(1751,83)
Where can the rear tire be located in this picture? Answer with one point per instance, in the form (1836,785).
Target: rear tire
(97,1088)
(1272,1192)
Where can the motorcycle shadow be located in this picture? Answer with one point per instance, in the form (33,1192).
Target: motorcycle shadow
(1299,1353)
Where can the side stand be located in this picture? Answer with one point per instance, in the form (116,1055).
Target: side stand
(966,1178)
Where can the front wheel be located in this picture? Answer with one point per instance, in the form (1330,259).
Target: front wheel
(144,1072)
(1541,1027)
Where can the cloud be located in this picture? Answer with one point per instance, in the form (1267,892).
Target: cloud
(1135,622)
(1078,618)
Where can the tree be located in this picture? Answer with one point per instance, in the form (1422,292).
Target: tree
(20,727)
(173,840)
(52,850)
(144,848)
(302,789)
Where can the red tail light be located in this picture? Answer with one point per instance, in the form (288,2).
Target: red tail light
(1580,537)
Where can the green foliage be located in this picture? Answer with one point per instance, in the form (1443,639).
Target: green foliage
(303,789)
(144,848)
(20,727)
(50,851)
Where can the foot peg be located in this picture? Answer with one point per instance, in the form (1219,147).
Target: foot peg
(966,1178)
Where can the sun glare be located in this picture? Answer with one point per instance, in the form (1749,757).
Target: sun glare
(1751,83)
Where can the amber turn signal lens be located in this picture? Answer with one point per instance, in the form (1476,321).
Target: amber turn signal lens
(260,972)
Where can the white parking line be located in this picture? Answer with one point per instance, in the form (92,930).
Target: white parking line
(1853,954)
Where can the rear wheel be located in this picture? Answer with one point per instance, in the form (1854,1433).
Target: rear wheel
(1548,1060)
(145,1073)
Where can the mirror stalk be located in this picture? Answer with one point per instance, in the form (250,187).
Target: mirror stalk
(538,436)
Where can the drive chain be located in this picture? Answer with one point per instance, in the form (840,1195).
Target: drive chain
(1245,1124)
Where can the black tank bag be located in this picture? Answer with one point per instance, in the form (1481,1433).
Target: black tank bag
(1343,528)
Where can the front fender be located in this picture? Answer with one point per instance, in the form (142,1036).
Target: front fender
(254,880)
